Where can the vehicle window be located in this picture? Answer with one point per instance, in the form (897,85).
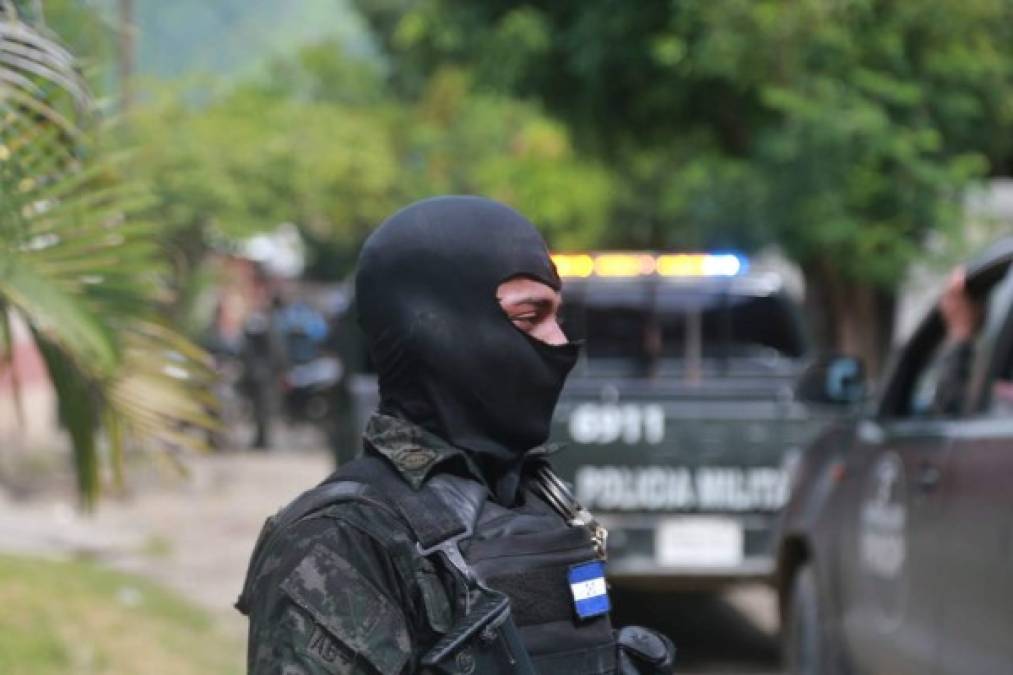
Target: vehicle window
(635,329)
(616,332)
(1001,404)
(731,326)
(940,376)
(926,391)
(999,391)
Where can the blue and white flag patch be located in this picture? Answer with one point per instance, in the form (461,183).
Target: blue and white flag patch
(590,594)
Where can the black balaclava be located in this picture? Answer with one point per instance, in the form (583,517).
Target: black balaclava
(447,356)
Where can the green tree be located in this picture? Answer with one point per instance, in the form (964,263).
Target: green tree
(320,140)
(845,131)
(78,271)
(251,161)
(453,140)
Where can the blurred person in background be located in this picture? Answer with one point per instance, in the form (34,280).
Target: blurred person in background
(313,372)
(302,328)
(449,545)
(223,339)
(263,361)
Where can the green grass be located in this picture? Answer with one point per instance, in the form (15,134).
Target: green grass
(76,618)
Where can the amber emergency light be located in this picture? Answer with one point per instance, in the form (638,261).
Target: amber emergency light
(582,265)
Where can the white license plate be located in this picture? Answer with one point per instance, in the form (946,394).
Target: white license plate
(698,541)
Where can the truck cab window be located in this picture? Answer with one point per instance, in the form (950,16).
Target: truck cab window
(732,326)
(927,391)
(615,333)
(999,391)
(1001,404)
(941,369)
(611,318)
(676,329)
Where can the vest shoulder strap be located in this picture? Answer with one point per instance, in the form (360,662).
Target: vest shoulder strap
(430,518)
(441,515)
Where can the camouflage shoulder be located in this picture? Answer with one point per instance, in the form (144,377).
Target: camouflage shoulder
(350,616)
(278,532)
(324,598)
(286,542)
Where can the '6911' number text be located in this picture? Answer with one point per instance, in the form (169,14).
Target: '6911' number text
(629,423)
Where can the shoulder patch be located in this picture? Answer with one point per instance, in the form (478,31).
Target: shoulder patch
(414,459)
(325,648)
(346,605)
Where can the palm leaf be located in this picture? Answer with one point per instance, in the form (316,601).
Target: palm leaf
(79,409)
(85,277)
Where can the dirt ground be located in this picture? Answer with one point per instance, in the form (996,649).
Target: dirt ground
(193,535)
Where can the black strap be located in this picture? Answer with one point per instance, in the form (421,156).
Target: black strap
(431,520)
(441,516)
(489,609)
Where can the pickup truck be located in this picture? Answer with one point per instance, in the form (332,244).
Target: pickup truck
(679,425)
(895,550)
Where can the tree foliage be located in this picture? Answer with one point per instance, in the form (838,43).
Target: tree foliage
(322,141)
(843,130)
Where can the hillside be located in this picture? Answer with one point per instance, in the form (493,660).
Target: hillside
(232,37)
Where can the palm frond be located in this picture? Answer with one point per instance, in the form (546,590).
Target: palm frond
(83,275)
(78,403)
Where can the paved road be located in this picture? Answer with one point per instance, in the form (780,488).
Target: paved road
(733,633)
(195,535)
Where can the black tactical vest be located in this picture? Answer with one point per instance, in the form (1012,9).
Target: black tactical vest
(527,553)
(515,609)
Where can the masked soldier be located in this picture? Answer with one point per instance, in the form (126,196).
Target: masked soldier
(449,546)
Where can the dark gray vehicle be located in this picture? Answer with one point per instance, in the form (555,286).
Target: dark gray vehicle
(679,424)
(896,546)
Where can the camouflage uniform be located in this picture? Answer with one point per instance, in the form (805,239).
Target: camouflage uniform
(345,590)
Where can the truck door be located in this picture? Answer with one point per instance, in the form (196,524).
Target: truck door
(889,569)
(891,606)
(975,551)
(976,547)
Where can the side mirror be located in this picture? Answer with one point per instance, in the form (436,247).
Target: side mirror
(835,380)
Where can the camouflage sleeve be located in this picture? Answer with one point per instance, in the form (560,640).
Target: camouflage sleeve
(326,604)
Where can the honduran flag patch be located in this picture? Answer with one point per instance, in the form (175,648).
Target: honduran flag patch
(587,584)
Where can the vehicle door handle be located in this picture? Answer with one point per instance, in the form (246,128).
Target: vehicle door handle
(929,476)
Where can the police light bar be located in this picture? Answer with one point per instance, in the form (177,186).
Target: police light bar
(584,265)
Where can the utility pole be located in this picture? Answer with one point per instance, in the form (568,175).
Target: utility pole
(128,45)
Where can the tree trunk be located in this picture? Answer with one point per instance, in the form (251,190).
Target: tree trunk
(127,46)
(848,317)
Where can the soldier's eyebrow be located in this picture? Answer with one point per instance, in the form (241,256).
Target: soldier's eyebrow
(539,303)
